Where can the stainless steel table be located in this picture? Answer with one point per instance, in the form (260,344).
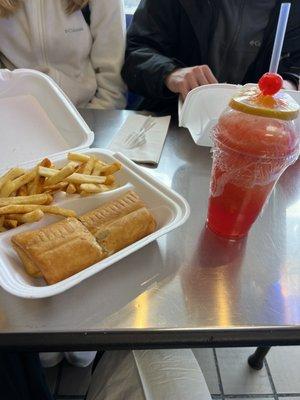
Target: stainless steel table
(189,288)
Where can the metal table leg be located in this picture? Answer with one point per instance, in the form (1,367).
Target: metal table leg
(256,360)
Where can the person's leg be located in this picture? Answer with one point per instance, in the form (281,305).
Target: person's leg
(148,375)
(115,377)
(80,358)
(171,375)
(22,377)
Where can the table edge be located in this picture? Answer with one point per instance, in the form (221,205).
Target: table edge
(150,339)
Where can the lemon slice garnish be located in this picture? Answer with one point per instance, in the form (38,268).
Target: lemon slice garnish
(252,101)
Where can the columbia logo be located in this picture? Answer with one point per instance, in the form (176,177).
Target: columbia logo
(73,30)
(255,43)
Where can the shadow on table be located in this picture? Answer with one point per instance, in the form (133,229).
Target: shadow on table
(215,251)
(210,281)
(88,304)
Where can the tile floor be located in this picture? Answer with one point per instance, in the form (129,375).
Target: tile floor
(226,371)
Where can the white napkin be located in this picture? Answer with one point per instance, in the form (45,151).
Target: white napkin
(149,152)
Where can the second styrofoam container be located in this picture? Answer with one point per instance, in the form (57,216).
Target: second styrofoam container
(203,106)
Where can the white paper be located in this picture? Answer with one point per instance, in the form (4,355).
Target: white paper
(149,152)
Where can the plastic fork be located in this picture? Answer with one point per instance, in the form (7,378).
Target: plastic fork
(136,139)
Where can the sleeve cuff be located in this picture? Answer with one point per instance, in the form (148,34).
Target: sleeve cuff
(166,94)
(294,78)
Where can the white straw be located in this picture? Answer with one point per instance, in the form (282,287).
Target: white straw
(279,38)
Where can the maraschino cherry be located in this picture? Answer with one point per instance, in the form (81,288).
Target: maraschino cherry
(270,83)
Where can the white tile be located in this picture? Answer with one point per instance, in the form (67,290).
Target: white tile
(284,363)
(236,375)
(205,358)
(289,398)
(250,398)
(74,380)
(51,376)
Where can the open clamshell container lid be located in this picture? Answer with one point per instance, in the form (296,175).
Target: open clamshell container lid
(203,106)
(37,121)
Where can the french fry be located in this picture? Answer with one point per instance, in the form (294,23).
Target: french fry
(45,163)
(89,166)
(30,185)
(97,168)
(87,190)
(22,191)
(12,174)
(34,199)
(91,188)
(18,208)
(26,195)
(64,212)
(110,169)
(78,157)
(106,188)
(23,209)
(74,178)
(110,179)
(55,188)
(35,186)
(71,189)
(10,223)
(78,179)
(84,194)
(7,189)
(46,172)
(80,168)
(22,180)
(32,216)
(62,174)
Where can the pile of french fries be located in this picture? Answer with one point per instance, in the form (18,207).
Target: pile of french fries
(25,196)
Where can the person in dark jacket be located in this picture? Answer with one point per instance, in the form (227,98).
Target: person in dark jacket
(22,377)
(174,46)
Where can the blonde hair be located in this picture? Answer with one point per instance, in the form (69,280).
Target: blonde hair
(9,7)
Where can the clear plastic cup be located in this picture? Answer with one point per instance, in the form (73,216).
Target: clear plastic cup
(250,154)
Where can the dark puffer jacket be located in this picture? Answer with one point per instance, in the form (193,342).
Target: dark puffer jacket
(169,34)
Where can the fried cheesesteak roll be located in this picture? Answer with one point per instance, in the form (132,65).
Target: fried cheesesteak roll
(57,251)
(119,223)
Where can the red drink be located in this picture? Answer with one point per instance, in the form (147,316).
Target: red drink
(250,154)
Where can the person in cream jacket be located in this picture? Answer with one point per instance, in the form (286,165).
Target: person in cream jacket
(83,54)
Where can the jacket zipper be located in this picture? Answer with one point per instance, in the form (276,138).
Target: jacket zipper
(214,13)
(41,32)
(237,30)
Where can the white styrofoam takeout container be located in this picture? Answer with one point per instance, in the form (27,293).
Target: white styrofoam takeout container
(203,106)
(61,125)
